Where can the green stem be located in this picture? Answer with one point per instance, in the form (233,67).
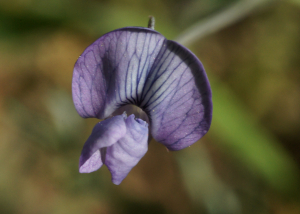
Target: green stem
(151,22)
(227,17)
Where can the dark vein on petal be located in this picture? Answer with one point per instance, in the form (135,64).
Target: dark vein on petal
(125,88)
(152,72)
(161,94)
(166,79)
(140,72)
(181,122)
(159,103)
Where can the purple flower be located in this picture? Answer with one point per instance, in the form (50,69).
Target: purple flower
(137,66)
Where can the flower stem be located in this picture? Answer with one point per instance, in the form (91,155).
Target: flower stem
(227,17)
(151,22)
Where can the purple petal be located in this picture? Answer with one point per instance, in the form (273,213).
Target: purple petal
(139,66)
(92,164)
(122,156)
(113,70)
(104,134)
(177,96)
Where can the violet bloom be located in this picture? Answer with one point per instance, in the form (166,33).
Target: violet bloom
(138,67)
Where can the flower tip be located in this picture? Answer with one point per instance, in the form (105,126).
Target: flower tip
(142,122)
(90,165)
(116,182)
(124,115)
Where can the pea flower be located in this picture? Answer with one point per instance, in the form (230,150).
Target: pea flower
(136,68)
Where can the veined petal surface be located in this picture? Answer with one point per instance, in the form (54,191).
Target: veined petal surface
(177,97)
(139,66)
(113,70)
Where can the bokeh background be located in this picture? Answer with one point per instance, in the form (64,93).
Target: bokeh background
(247,163)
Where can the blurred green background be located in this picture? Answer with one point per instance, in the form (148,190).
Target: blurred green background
(247,163)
